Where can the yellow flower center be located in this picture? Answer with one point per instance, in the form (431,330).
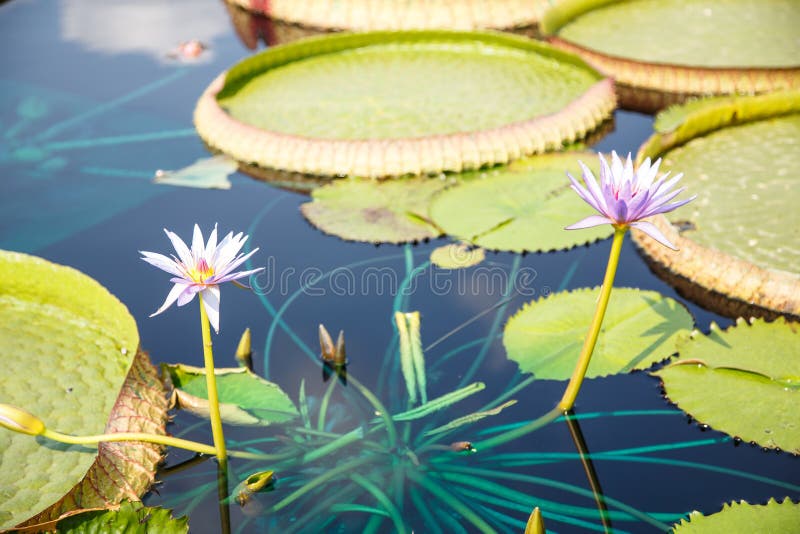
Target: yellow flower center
(201,272)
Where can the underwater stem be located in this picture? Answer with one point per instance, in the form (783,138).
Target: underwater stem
(568,400)
(211,385)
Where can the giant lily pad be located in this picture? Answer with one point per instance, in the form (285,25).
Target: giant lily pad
(640,328)
(395,103)
(393,211)
(363,15)
(740,240)
(744,518)
(742,381)
(522,207)
(244,397)
(70,357)
(729,46)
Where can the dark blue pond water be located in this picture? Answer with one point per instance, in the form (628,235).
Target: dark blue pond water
(91,107)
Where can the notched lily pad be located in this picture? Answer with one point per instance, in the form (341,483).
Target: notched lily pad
(744,518)
(744,381)
(521,207)
(128,517)
(52,316)
(392,211)
(457,256)
(640,328)
(245,398)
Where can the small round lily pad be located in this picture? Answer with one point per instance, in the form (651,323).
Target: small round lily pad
(457,256)
(522,207)
(395,103)
(362,15)
(724,47)
(742,381)
(739,240)
(640,328)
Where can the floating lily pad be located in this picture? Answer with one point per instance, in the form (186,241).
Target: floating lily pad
(522,207)
(205,173)
(640,328)
(744,518)
(397,103)
(245,398)
(729,46)
(457,256)
(127,517)
(393,211)
(740,156)
(70,358)
(361,15)
(743,381)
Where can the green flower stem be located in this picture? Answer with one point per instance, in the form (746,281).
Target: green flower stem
(168,441)
(568,400)
(211,385)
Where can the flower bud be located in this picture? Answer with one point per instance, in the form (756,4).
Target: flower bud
(19,420)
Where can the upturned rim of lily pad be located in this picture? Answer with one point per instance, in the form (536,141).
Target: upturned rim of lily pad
(722,282)
(401,156)
(651,86)
(364,15)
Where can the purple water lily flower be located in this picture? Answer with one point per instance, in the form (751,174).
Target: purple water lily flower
(626,195)
(201,269)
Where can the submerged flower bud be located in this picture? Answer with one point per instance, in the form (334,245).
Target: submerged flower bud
(19,420)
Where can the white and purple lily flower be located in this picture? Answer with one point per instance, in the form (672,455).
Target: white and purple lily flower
(202,269)
(626,195)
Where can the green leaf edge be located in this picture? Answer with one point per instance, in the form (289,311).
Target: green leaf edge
(698,522)
(231,413)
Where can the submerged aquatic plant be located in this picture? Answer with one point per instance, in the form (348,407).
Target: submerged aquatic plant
(199,271)
(624,196)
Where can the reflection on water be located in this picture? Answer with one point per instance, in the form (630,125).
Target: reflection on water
(87,119)
(148,27)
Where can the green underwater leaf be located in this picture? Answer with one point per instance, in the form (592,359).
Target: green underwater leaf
(439,403)
(521,207)
(245,398)
(129,517)
(70,357)
(640,328)
(392,211)
(744,381)
(205,173)
(744,518)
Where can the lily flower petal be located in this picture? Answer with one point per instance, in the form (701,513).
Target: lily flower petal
(211,298)
(173,295)
(588,222)
(202,268)
(626,195)
(651,230)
